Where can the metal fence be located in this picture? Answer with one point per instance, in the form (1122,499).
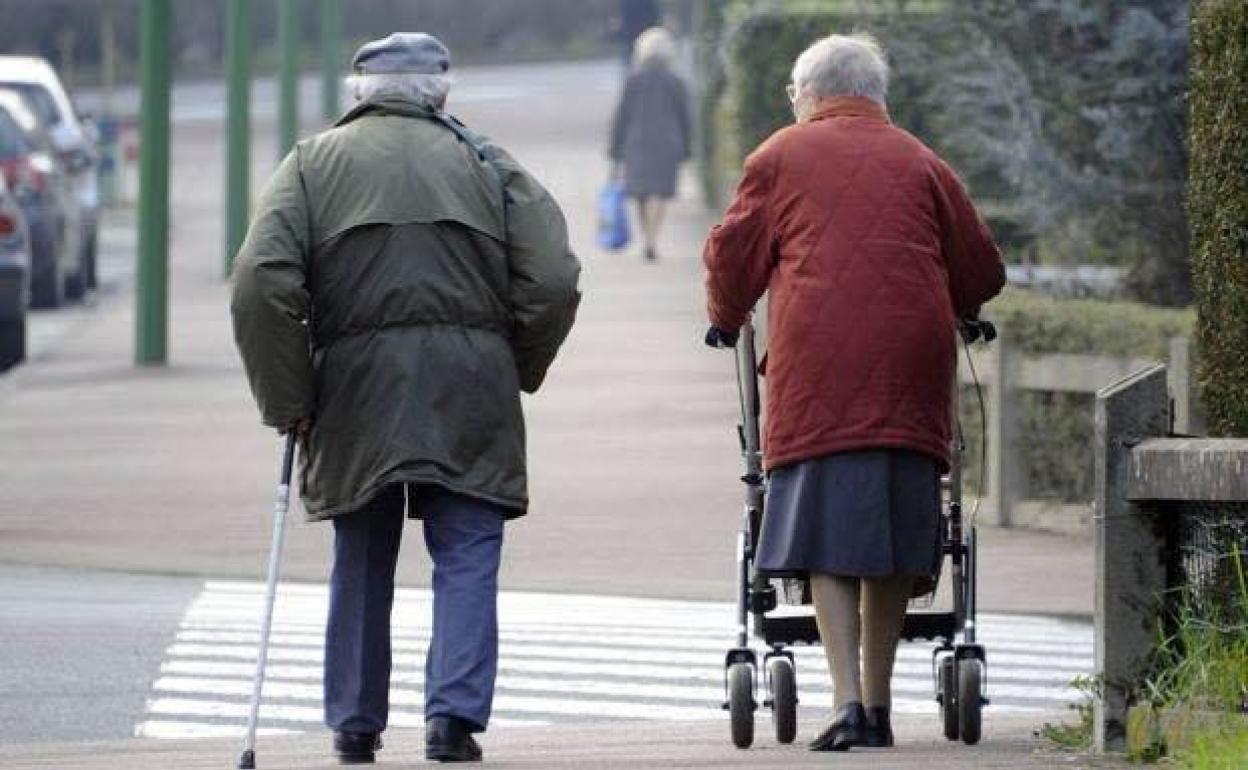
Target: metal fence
(1206,553)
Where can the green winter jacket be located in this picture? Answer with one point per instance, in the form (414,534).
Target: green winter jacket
(401,283)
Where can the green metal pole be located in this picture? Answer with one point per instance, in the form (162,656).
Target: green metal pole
(288,101)
(237,126)
(152,291)
(331,53)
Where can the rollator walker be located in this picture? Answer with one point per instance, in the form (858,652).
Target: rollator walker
(959,663)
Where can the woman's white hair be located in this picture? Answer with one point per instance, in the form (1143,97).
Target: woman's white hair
(843,65)
(426,89)
(654,46)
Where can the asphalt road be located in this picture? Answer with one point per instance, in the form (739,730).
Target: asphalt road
(78,651)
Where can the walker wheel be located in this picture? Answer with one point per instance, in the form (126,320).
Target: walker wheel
(970,699)
(741,703)
(783,681)
(948,698)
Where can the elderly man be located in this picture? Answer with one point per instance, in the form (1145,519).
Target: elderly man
(403,280)
(872,252)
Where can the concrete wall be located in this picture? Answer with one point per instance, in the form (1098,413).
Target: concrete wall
(1005,373)
(1139,472)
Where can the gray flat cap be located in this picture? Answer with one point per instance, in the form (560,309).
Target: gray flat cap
(413,52)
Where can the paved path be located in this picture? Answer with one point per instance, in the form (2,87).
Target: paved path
(565,658)
(1008,745)
(79,651)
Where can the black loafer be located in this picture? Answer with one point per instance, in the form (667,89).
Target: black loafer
(879,728)
(356,748)
(449,739)
(848,728)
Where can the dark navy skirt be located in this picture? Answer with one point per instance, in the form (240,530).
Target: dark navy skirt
(872,513)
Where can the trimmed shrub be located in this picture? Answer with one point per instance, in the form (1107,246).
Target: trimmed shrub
(1218,207)
(1037,325)
(762,46)
(1066,120)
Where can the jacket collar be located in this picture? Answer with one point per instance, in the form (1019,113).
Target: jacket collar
(850,107)
(388,104)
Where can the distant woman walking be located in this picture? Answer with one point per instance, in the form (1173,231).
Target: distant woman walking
(650,136)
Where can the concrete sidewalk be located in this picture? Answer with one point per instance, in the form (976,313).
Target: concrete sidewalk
(1007,745)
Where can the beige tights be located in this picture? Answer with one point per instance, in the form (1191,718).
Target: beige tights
(650,214)
(874,629)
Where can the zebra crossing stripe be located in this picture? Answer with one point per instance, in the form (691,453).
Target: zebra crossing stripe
(416,640)
(414,656)
(563,658)
(714,672)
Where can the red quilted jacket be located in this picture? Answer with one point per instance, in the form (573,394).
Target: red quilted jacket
(871,250)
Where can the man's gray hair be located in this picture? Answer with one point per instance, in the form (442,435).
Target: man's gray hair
(426,89)
(843,65)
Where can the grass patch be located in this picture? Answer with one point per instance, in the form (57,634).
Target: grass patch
(1076,736)
(1201,667)
(1223,748)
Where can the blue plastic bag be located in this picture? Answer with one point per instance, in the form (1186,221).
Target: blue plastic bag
(613,230)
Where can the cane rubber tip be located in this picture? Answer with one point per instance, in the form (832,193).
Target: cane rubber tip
(247,761)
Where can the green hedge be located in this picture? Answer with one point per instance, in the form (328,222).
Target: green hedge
(747,102)
(1218,201)
(1037,324)
(760,56)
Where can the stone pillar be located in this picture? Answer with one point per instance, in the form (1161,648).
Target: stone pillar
(1179,375)
(1002,429)
(1130,572)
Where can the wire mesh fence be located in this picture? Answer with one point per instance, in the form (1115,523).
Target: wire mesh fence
(1207,555)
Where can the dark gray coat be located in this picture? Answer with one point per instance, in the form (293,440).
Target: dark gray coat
(651,132)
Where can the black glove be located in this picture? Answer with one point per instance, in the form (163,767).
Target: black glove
(718,338)
(973,329)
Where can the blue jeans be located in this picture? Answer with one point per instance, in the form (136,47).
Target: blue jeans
(464,537)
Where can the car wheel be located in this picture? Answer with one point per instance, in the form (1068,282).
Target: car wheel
(89,260)
(48,289)
(12,342)
(76,282)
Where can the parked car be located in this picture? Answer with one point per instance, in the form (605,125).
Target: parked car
(14,277)
(73,138)
(47,198)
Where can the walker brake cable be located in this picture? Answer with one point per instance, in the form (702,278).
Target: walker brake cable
(983,431)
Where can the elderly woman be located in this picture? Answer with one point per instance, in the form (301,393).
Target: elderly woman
(871,251)
(650,135)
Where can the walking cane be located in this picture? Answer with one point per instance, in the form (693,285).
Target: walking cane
(248,759)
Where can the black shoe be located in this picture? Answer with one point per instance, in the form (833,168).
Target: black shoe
(449,739)
(356,748)
(849,728)
(879,728)
(651,256)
